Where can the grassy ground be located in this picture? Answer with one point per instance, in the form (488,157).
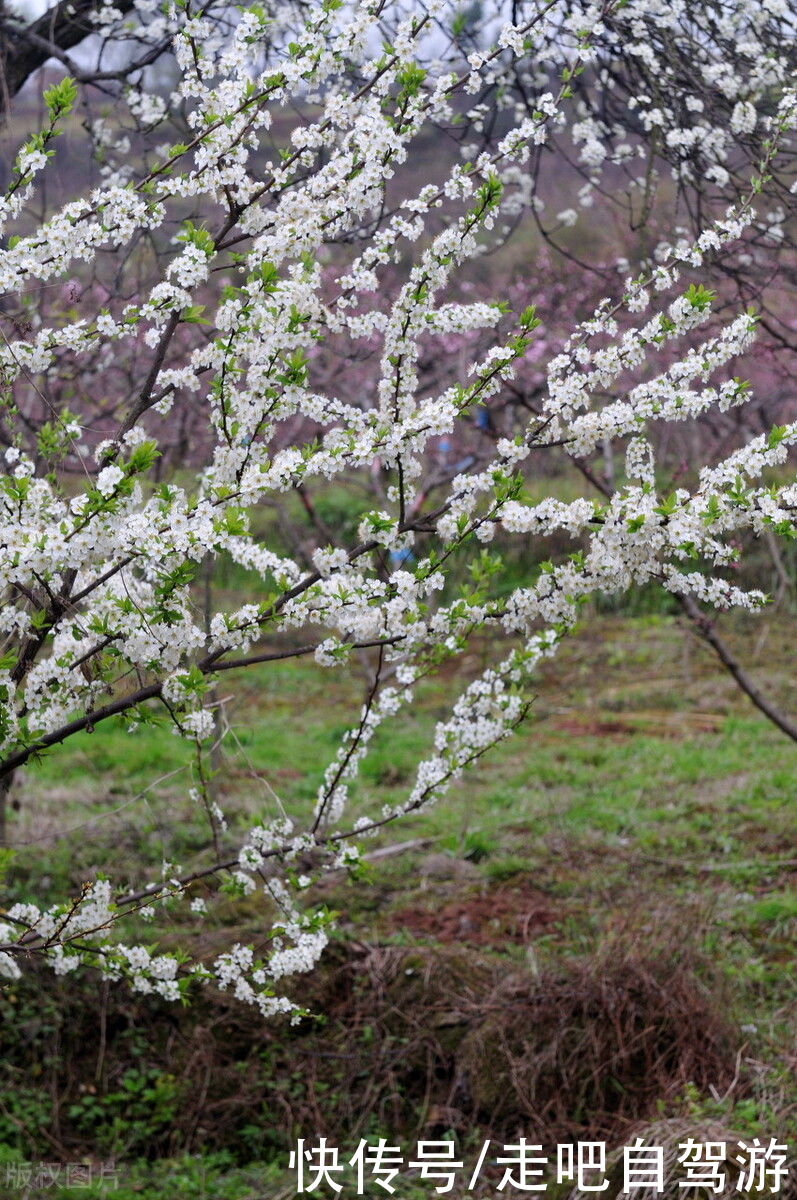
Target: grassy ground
(645,810)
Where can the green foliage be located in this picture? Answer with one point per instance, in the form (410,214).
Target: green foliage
(488,194)
(774,910)
(699,297)
(410,80)
(193,235)
(60,97)
(141,458)
(124,1121)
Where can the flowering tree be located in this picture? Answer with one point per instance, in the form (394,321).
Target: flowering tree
(307,313)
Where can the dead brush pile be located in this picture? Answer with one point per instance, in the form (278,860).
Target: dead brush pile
(672,1135)
(410,1042)
(587,1048)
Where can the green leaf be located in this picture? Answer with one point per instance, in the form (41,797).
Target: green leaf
(60,97)
(141,458)
(699,297)
(193,315)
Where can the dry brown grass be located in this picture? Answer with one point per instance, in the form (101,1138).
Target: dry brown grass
(672,1135)
(588,1048)
(416,1042)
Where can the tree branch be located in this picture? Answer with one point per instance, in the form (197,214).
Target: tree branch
(24,50)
